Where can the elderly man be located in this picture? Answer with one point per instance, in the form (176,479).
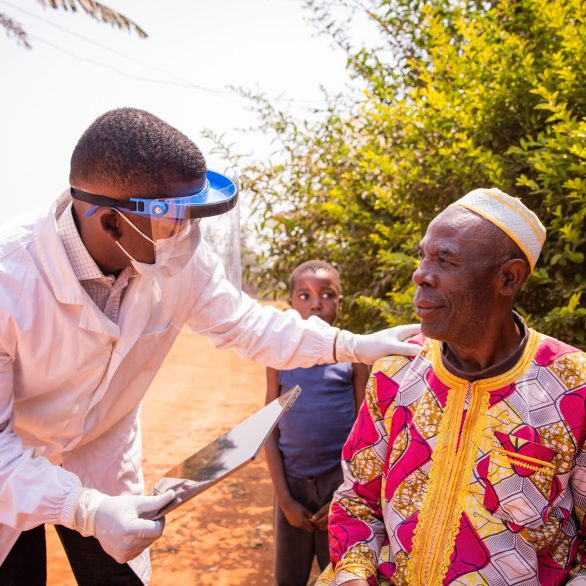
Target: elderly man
(466,463)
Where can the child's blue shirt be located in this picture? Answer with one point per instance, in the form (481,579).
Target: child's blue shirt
(313,433)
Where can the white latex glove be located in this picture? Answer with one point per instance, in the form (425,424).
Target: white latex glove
(370,347)
(115,521)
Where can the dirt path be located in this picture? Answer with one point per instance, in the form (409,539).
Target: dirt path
(223,536)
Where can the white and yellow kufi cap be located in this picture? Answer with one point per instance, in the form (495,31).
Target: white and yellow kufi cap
(510,215)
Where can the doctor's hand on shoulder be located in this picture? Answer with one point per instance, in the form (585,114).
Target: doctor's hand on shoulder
(117,522)
(368,348)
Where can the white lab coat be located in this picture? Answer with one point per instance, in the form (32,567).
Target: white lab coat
(71,381)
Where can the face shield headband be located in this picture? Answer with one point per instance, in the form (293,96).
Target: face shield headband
(218,195)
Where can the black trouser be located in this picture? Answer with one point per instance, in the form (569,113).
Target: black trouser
(295,548)
(26,564)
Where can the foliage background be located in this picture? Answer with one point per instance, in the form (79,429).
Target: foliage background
(459,95)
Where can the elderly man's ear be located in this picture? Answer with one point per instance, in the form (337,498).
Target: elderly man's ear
(512,275)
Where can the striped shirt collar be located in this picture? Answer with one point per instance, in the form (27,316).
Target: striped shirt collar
(84,266)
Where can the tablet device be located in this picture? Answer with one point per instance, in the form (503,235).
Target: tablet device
(224,455)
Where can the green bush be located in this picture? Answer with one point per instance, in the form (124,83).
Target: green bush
(460,95)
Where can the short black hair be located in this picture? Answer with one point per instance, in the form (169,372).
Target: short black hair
(135,150)
(313,266)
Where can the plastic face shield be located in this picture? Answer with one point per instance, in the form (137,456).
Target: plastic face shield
(169,216)
(193,237)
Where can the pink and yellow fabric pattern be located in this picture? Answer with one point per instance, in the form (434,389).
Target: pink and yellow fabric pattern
(456,482)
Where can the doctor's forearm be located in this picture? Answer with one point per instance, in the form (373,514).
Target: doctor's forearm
(280,339)
(33,491)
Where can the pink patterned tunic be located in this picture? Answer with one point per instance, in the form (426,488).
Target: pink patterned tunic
(455,482)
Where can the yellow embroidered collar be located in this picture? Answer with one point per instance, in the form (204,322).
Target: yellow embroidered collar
(487,384)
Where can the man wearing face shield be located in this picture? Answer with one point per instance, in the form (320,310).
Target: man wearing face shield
(93,293)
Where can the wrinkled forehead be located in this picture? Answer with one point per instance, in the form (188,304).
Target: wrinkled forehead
(457,223)
(462,234)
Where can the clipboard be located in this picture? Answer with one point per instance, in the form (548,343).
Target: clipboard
(224,456)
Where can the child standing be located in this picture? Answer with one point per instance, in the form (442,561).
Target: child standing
(303,453)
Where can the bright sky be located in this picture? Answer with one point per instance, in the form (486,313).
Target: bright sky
(79,68)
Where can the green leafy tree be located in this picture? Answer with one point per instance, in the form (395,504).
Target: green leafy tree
(458,95)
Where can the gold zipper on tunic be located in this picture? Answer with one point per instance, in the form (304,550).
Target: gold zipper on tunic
(453,462)
(430,542)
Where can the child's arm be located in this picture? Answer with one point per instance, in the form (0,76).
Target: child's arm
(297,515)
(360,374)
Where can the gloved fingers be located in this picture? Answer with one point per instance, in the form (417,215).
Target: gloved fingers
(406,349)
(144,529)
(154,503)
(137,544)
(407,331)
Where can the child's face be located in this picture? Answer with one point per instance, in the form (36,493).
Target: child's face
(316,294)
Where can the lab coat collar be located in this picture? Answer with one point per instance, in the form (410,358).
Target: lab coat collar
(60,273)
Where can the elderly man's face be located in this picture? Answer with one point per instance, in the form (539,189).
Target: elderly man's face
(456,278)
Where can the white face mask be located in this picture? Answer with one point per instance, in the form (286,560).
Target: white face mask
(171,254)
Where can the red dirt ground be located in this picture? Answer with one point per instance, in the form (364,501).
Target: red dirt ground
(223,537)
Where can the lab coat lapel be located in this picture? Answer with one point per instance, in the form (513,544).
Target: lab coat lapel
(66,287)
